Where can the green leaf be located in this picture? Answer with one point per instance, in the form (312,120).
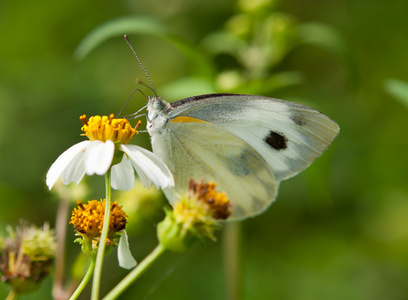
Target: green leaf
(223,42)
(324,36)
(398,89)
(187,87)
(272,83)
(147,26)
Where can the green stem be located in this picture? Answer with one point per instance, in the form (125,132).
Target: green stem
(85,280)
(61,228)
(12,295)
(102,242)
(232,258)
(135,273)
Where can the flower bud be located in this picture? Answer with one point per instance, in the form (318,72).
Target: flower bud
(194,216)
(26,256)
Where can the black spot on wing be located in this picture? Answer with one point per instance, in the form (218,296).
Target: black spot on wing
(276,140)
(298,119)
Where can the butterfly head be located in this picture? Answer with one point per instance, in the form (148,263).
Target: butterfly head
(157,115)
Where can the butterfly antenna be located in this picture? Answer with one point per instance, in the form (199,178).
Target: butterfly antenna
(127,101)
(141,65)
(138,81)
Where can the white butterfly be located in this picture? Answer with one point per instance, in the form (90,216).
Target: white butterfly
(246,144)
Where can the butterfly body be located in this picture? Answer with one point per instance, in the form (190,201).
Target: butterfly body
(246,144)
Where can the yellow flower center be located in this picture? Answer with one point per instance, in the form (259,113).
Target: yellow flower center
(215,202)
(194,216)
(88,218)
(202,208)
(108,128)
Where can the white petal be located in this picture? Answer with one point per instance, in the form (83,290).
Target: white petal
(145,181)
(99,157)
(159,163)
(75,171)
(63,161)
(146,163)
(123,176)
(125,258)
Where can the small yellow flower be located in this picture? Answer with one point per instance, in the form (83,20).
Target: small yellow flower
(107,148)
(194,216)
(216,202)
(108,128)
(88,219)
(88,222)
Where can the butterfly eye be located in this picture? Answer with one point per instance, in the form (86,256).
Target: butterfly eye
(157,104)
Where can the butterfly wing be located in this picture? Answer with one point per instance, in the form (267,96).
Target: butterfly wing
(202,150)
(288,136)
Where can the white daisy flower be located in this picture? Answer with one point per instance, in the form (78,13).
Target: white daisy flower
(108,146)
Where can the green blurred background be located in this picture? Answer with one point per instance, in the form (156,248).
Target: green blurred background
(339,230)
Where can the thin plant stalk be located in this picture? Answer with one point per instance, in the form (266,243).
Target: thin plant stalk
(61,228)
(102,242)
(85,280)
(12,295)
(135,273)
(232,259)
